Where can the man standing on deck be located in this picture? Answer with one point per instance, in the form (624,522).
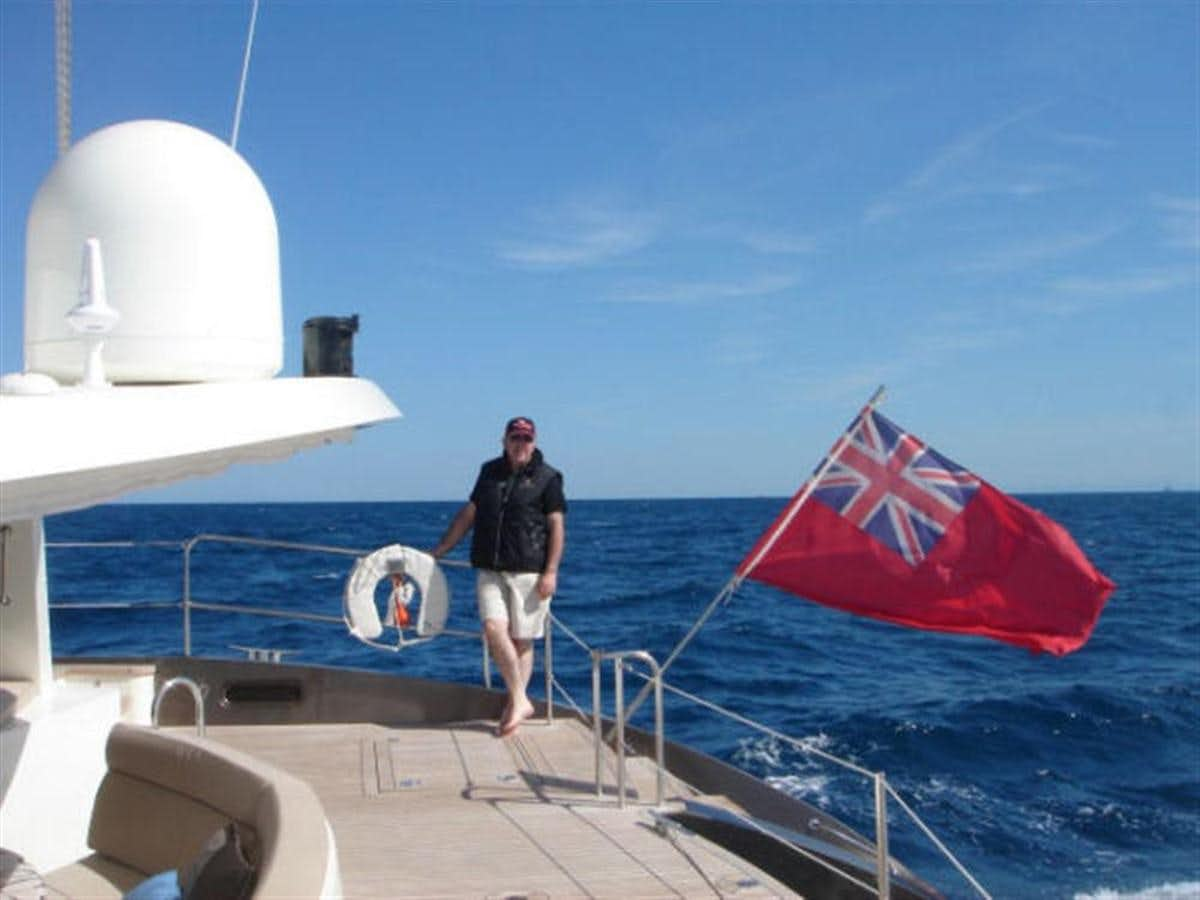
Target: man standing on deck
(517,509)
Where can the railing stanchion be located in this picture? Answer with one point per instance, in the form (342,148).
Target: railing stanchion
(881,837)
(187,595)
(660,776)
(548,665)
(596,722)
(618,659)
(619,682)
(487,661)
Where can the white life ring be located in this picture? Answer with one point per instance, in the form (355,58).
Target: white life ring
(359,608)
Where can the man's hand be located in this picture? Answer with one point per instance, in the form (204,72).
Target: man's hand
(463,520)
(556,534)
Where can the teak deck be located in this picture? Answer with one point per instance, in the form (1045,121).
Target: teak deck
(452,811)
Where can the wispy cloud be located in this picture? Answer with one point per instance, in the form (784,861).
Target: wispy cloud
(927,349)
(1020,255)
(940,349)
(947,174)
(1180,221)
(739,235)
(741,350)
(780,243)
(693,292)
(848,386)
(578,234)
(1131,284)
(1084,141)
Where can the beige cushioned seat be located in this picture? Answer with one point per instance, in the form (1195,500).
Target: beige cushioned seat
(166,793)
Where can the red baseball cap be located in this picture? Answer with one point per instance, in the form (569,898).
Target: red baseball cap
(520,425)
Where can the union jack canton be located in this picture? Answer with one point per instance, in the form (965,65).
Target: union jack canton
(894,487)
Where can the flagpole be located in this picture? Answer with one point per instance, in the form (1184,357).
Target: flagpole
(735,582)
(800,500)
(723,595)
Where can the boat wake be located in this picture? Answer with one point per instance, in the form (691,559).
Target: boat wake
(1186,890)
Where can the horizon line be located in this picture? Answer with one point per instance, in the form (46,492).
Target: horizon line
(646,499)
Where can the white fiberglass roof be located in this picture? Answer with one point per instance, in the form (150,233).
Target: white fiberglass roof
(76,447)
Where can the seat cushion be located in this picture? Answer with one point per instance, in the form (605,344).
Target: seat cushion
(94,876)
(149,827)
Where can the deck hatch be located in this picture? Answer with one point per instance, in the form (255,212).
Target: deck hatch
(382,772)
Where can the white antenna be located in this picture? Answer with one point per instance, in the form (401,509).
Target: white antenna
(237,113)
(92,318)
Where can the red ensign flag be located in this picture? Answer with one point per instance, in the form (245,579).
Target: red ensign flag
(891,529)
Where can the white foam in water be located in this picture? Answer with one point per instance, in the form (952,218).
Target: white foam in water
(818,741)
(1184,890)
(765,751)
(768,751)
(942,787)
(807,787)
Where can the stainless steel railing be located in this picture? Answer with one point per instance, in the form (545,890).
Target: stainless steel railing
(197,699)
(882,790)
(189,604)
(618,658)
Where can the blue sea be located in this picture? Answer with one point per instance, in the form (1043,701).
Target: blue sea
(1048,777)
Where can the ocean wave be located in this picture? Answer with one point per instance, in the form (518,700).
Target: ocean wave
(1185,890)
(812,788)
(938,787)
(769,750)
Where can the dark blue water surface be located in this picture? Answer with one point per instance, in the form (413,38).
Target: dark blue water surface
(1048,777)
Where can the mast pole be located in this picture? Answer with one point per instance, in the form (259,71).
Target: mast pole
(62,72)
(809,487)
(722,597)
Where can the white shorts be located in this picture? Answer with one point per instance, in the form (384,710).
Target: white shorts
(513,597)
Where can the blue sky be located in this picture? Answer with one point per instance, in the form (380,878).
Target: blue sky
(690,239)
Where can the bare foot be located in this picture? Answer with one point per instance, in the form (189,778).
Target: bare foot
(516,715)
(503,716)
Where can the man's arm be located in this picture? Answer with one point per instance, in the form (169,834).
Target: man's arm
(460,525)
(556,538)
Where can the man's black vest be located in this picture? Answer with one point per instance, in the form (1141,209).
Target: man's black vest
(510,514)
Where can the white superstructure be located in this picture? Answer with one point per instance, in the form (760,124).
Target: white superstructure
(185,236)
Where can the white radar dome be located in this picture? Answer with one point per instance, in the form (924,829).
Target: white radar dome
(190,253)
